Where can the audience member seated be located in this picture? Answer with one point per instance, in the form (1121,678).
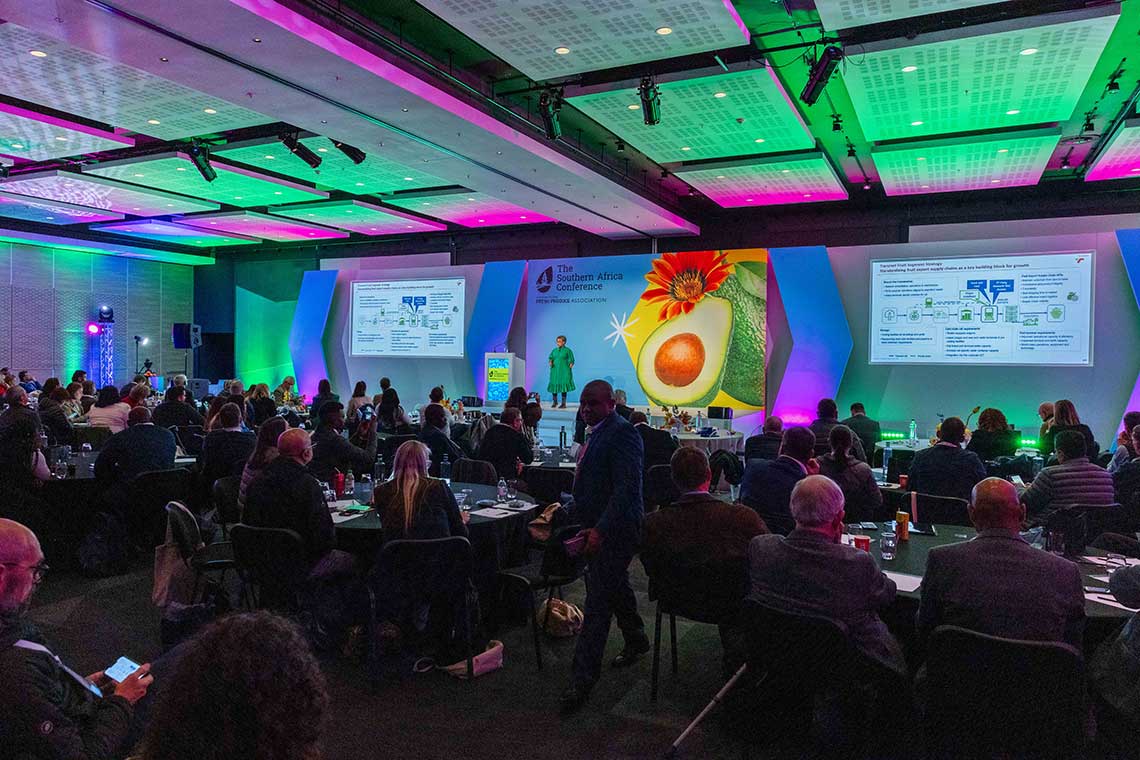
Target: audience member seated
(22,463)
(1045,412)
(1124,451)
(767,444)
(174,411)
(435,396)
(505,446)
(391,416)
(79,376)
(109,411)
(264,453)
(993,437)
(261,405)
(1074,480)
(73,406)
(284,395)
(90,395)
(531,416)
(385,384)
(142,447)
(17,411)
(333,452)
(811,572)
(286,495)
(946,469)
(324,394)
(213,407)
(1126,479)
(49,385)
(247,686)
(433,433)
(998,584)
(359,398)
(861,495)
(50,711)
(138,394)
(767,484)
(414,505)
(180,381)
(28,381)
(827,412)
(53,417)
(702,532)
(659,444)
(865,428)
(516,398)
(622,408)
(1065,417)
(1114,670)
(225,446)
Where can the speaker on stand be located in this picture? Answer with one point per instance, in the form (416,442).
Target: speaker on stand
(187,336)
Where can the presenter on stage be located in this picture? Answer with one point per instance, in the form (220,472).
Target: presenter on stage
(561,371)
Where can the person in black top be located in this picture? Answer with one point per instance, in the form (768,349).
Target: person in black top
(17,400)
(261,405)
(767,444)
(434,436)
(53,417)
(225,446)
(414,505)
(993,438)
(621,407)
(175,411)
(659,445)
(324,394)
(865,428)
(946,469)
(767,484)
(142,447)
(505,446)
(332,452)
(1065,417)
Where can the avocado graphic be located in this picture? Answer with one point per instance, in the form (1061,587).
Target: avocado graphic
(744,375)
(682,362)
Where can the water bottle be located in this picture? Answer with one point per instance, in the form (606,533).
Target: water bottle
(562,437)
(886,458)
(913,430)
(378,469)
(349,484)
(445,469)
(502,490)
(365,489)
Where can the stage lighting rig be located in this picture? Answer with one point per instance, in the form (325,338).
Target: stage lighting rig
(549,104)
(290,141)
(356,155)
(200,156)
(821,72)
(650,101)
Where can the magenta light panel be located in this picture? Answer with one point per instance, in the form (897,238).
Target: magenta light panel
(168,232)
(358,216)
(35,136)
(468,209)
(776,180)
(1120,159)
(50,212)
(102,193)
(253,224)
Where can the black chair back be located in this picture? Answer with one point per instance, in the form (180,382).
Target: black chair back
(190,438)
(474,471)
(273,560)
(989,696)
(226,500)
(1080,524)
(659,490)
(427,568)
(804,653)
(149,493)
(694,588)
(946,510)
(547,484)
(183,529)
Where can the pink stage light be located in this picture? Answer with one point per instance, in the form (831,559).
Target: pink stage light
(92,328)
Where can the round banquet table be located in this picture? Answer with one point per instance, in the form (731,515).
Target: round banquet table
(733,441)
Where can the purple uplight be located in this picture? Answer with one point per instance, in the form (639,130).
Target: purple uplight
(92,328)
(1121,157)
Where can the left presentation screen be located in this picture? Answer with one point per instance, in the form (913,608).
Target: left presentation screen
(409,318)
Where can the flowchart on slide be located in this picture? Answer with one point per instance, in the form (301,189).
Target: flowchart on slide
(1024,309)
(408,318)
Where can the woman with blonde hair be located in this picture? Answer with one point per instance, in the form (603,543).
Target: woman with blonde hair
(413,504)
(261,404)
(1065,417)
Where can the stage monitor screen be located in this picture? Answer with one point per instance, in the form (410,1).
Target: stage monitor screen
(1031,309)
(408,318)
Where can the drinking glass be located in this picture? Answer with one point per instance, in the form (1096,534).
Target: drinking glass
(888,542)
(461,501)
(512,490)
(734,492)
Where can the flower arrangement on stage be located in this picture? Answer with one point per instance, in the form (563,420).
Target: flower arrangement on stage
(675,417)
(456,407)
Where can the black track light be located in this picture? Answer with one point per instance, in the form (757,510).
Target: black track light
(821,71)
(1089,125)
(549,104)
(295,147)
(851,151)
(356,155)
(866,183)
(1065,164)
(200,156)
(650,101)
(620,146)
(836,123)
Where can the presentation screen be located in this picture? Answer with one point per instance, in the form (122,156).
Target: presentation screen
(408,318)
(1022,309)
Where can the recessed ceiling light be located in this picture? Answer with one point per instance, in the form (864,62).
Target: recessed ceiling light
(409,179)
(747,200)
(686,147)
(310,214)
(139,175)
(153,121)
(1012,112)
(322,150)
(257,39)
(785,171)
(372,229)
(562,50)
(909,69)
(470,199)
(522,217)
(237,197)
(37,54)
(136,208)
(995,181)
(268,156)
(164,59)
(664,30)
(50,217)
(481,221)
(925,187)
(312,233)
(759,139)
(405,110)
(409,226)
(720,176)
(920,158)
(17,145)
(1137,169)
(277,192)
(61,138)
(807,195)
(210,111)
(213,222)
(916,123)
(360,184)
(425,204)
(170,205)
(633,106)
(720,94)
(1029,51)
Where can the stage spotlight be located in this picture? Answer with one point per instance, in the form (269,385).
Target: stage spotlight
(141,340)
(549,104)
(92,328)
(106,314)
(356,155)
(650,101)
(866,183)
(1065,164)
(851,151)
(620,146)
(295,147)
(821,71)
(1089,125)
(200,156)
(836,123)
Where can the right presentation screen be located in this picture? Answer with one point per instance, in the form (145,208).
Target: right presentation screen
(1023,309)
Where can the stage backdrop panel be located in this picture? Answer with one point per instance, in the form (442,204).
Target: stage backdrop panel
(680,329)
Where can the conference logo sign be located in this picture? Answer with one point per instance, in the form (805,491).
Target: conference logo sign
(545,280)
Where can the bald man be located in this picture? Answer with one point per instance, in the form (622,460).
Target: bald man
(49,710)
(997,583)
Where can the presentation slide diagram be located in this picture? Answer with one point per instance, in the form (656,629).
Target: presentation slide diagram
(1020,309)
(408,318)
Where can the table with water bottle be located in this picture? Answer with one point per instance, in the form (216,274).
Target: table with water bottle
(66,464)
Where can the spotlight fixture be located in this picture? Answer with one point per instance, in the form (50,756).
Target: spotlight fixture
(821,71)
(356,155)
(200,156)
(650,101)
(93,328)
(1065,162)
(106,315)
(1089,125)
(851,151)
(836,123)
(290,141)
(620,146)
(1113,85)
(549,104)
(866,183)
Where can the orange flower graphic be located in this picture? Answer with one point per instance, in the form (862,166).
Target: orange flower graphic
(681,280)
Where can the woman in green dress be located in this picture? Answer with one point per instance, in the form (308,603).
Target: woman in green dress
(561,374)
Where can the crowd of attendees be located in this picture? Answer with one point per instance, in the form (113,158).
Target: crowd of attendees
(248,686)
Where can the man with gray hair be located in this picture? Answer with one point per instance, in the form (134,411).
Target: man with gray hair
(810,571)
(620,405)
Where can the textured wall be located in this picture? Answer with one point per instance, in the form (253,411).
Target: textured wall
(48,295)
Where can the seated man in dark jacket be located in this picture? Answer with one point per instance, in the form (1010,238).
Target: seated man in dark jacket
(434,435)
(17,409)
(224,447)
(175,410)
(767,485)
(946,469)
(865,428)
(286,495)
(49,711)
(54,418)
(828,417)
(333,453)
(767,444)
(142,447)
(504,445)
(659,444)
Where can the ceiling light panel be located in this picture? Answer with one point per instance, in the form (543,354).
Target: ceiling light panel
(844,14)
(35,136)
(76,81)
(755,115)
(1012,159)
(977,78)
(234,185)
(468,209)
(807,178)
(548,39)
(168,232)
(50,212)
(102,193)
(253,224)
(376,174)
(1120,159)
(357,216)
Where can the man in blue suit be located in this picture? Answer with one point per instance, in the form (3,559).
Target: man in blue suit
(607,503)
(767,484)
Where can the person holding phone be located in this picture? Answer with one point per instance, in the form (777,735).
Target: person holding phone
(49,710)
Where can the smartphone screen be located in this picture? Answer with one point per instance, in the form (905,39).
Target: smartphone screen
(121,669)
(1017,481)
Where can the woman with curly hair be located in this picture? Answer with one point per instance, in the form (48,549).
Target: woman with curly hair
(246,688)
(993,438)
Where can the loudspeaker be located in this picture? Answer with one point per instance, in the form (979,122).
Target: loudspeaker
(199,388)
(471,401)
(720,412)
(186,335)
(195,336)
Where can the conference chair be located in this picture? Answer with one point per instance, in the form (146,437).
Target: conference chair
(437,571)
(202,559)
(95,435)
(478,471)
(992,697)
(272,567)
(1080,524)
(945,510)
(659,489)
(547,484)
(557,569)
(225,497)
(148,495)
(190,438)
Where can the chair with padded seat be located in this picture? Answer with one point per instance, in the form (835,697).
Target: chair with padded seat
(272,566)
(547,484)
(659,489)
(148,494)
(464,470)
(225,498)
(202,559)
